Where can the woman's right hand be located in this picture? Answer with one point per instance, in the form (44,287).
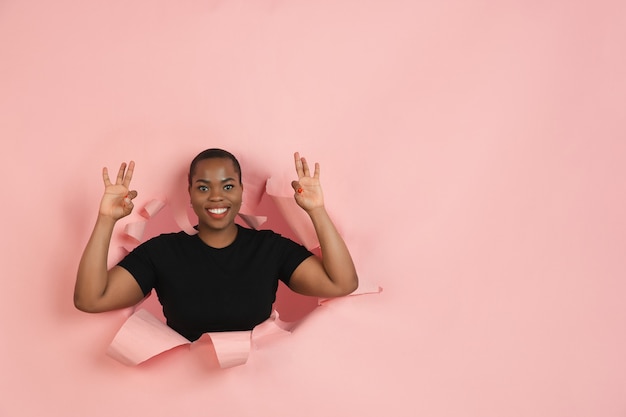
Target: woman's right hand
(117,199)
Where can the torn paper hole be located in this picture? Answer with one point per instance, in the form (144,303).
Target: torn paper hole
(144,336)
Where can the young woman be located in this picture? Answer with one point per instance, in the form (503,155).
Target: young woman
(225,277)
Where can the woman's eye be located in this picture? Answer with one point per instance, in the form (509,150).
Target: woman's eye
(203,188)
(228,187)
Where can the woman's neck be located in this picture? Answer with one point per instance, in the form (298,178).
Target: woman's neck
(218,238)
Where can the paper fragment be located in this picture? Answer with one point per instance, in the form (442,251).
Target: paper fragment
(255,222)
(231,348)
(135,230)
(143,336)
(152,208)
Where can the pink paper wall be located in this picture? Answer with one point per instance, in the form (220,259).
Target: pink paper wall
(472,153)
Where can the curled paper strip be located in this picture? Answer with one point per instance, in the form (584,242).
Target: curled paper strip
(135,230)
(231,348)
(254,222)
(152,208)
(143,336)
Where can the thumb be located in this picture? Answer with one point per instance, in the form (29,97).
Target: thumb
(296,187)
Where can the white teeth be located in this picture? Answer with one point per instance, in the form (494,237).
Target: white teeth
(217,210)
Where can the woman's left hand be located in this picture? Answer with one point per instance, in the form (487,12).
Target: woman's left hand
(308,190)
(333,274)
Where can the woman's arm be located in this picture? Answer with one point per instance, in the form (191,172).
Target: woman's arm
(334,275)
(98,289)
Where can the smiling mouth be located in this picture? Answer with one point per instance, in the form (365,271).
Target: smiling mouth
(217,210)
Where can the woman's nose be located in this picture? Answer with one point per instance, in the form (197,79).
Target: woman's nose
(215,193)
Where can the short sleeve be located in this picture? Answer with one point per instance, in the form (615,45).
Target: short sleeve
(293,254)
(141,266)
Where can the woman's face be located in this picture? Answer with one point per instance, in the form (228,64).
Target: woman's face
(215,193)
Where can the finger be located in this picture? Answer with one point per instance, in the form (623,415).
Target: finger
(316,174)
(120,173)
(305,168)
(132,194)
(105,176)
(298,162)
(129,174)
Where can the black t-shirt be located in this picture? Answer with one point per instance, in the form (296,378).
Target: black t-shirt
(204,289)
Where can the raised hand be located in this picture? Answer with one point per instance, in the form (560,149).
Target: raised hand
(117,199)
(308,190)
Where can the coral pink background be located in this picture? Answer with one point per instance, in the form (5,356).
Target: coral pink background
(472,152)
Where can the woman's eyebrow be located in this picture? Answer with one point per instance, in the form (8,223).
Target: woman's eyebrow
(208,181)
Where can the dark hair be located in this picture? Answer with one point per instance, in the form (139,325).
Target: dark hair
(211,154)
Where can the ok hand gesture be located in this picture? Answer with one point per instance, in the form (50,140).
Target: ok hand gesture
(308,190)
(117,199)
